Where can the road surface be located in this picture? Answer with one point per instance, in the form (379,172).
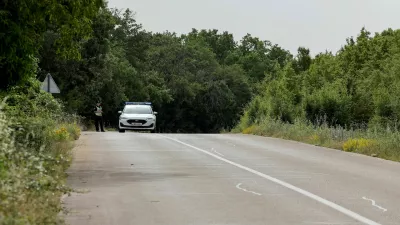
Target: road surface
(176,179)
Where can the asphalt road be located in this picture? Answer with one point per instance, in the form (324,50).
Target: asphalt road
(176,179)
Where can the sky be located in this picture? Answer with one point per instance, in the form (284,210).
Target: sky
(319,25)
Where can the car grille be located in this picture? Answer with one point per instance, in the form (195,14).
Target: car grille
(130,126)
(136,121)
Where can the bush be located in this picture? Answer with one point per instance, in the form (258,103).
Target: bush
(250,130)
(34,153)
(61,134)
(359,145)
(74,130)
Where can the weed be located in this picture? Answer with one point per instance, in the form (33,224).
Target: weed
(359,145)
(249,130)
(34,154)
(375,142)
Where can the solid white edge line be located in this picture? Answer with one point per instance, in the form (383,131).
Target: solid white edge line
(218,153)
(287,185)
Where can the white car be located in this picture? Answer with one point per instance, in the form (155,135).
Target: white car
(137,116)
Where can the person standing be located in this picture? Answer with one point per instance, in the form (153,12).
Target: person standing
(98,111)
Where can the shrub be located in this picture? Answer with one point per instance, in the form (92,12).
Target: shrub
(380,143)
(315,138)
(34,154)
(359,145)
(74,130)
(250,130)
(61,134)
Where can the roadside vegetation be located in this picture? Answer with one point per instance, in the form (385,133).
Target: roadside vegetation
(371,142)
(349,100)
(36,139)
(36,132)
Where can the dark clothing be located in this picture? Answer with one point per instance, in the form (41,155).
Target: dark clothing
(98,118)
(99,123)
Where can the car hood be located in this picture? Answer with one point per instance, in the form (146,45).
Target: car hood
(137,116)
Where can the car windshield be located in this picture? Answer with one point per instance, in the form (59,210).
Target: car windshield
(138,110)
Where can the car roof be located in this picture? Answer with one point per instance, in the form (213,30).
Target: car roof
(135,106)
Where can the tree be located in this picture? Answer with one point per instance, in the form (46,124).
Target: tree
(221,44)
(23,24)
(303,60)
(357,86)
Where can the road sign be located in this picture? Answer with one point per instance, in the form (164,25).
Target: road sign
(50,85)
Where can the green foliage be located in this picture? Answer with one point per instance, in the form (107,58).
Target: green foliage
(370,142)
(199,82)
(279,98)
(202,81)
(330,102)
(34,154)
(221,44)
(106,71)
(23,23)
(303,60)
(123,62)
(357,88)
(260,58)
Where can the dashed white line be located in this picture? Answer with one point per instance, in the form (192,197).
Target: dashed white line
(374,204)
(283,183)
(238,187)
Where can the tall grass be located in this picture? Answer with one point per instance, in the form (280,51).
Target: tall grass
(382,143)
(35,151)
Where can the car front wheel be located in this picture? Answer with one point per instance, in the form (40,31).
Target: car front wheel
(121,130)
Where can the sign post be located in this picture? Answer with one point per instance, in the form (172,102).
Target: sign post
(50,85)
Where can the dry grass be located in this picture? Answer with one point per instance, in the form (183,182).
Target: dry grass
(32,180)
(382,144)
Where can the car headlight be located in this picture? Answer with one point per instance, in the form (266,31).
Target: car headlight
(150,118)
(123,118)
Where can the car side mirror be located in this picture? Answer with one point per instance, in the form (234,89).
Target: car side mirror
(119,112)
(155,113)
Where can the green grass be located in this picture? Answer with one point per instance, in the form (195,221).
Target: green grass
(32,171)
(378,143)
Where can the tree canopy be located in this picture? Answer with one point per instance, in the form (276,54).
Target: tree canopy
(357,87)
(202,81)
(198,82)
(23,24)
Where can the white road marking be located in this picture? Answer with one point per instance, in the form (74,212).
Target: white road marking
(238,187)
(328,223)
(217,152)
(287,185)
(374,204)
